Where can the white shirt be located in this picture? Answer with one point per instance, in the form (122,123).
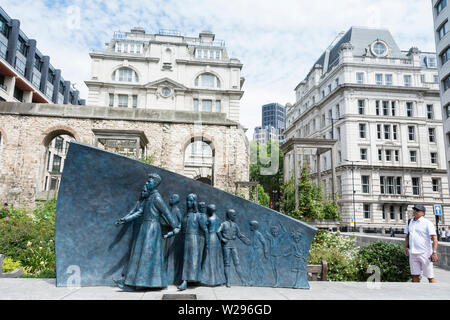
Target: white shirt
(420,233)
(447,232)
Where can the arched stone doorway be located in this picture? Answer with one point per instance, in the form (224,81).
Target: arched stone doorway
(199,154)
(55,146)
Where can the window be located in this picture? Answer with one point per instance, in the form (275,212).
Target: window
(443,29)
(409,109)
(362,130)
(378,79)
(125,74)
(385,108)
(195,104)
(393,108)
(339,134)
(135,100)
(430,111)
(377,108)
(56,163)
(388,79)
(447,109)
(54,183)
(400,213)
(366,209)
(365,184)
(394,132)
(436,183)
(22,46)
(360,78)
(206,105)
(391,213)
(445,56)
(433,157)
(338,111)
(380,155)
(387,132)
(4,27)
(431,134)
(390,185)
(388,155)
(123,101)
(383,212)
(361,106)
(411,133)
(207,80)
(436,79)
(396,156)
(415,186)
(218,106)
(329,88)
(379,131)
(59,144)
(446,83)
(407,80)
(20,65)
(363,154)
(337,81)
(111,100)
(441,6)
(422,78)
(413,155)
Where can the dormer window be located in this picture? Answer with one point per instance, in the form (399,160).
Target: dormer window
(207,80)
(125,75)
(379,49)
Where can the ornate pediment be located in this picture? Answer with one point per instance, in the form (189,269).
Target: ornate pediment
(165,82)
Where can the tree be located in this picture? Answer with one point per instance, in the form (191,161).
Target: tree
(268,173)
(312,204)
(263,197)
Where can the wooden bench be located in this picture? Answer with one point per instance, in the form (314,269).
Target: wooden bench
(314,270)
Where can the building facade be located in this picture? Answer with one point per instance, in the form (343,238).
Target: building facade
(26,74)
(273,123)
(166,71)
(382,106)
(441,15)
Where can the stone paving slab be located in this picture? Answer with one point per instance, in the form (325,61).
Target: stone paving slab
(45,289)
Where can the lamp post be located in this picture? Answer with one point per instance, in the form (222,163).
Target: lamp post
(353,195)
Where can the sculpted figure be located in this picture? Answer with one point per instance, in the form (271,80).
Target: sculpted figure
(276,245)
(228,232)
(212,266)
(300,257)
(259,251)
(203,220)
(173,246)
(192,226)
(146,264)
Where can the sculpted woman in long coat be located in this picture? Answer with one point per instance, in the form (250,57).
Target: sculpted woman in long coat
(146,264)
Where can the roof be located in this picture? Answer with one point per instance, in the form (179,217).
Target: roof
(361,38)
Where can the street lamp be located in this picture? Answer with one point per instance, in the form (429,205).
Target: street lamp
(353,196)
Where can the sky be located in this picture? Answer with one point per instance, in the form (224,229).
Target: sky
(276,41)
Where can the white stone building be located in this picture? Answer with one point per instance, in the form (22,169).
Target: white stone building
(166,71)
(382,106)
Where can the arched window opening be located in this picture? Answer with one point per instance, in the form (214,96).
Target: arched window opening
(207,80)
(125,75)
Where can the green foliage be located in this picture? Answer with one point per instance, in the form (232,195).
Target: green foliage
(41,274)
(389,257)
(261,158)
(148,159)
(9,265)
(339,252)
(28,237)
(312,204)
(263,198)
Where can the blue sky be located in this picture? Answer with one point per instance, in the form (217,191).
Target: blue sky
(277,41)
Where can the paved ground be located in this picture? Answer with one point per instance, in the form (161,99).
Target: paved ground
(36,289)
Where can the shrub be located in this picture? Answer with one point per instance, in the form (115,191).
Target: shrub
(389,257)
(9,265)
(41,274)
(28,237)
(340,253)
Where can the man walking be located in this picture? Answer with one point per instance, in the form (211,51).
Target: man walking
(421,245)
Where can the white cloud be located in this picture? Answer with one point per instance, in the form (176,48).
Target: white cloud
(277,41)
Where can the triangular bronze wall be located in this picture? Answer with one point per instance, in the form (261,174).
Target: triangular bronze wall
(98,187)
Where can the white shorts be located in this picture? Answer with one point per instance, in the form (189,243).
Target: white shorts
(421,263)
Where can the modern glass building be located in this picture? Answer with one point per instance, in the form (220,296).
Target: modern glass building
(26,74)
(273,114)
